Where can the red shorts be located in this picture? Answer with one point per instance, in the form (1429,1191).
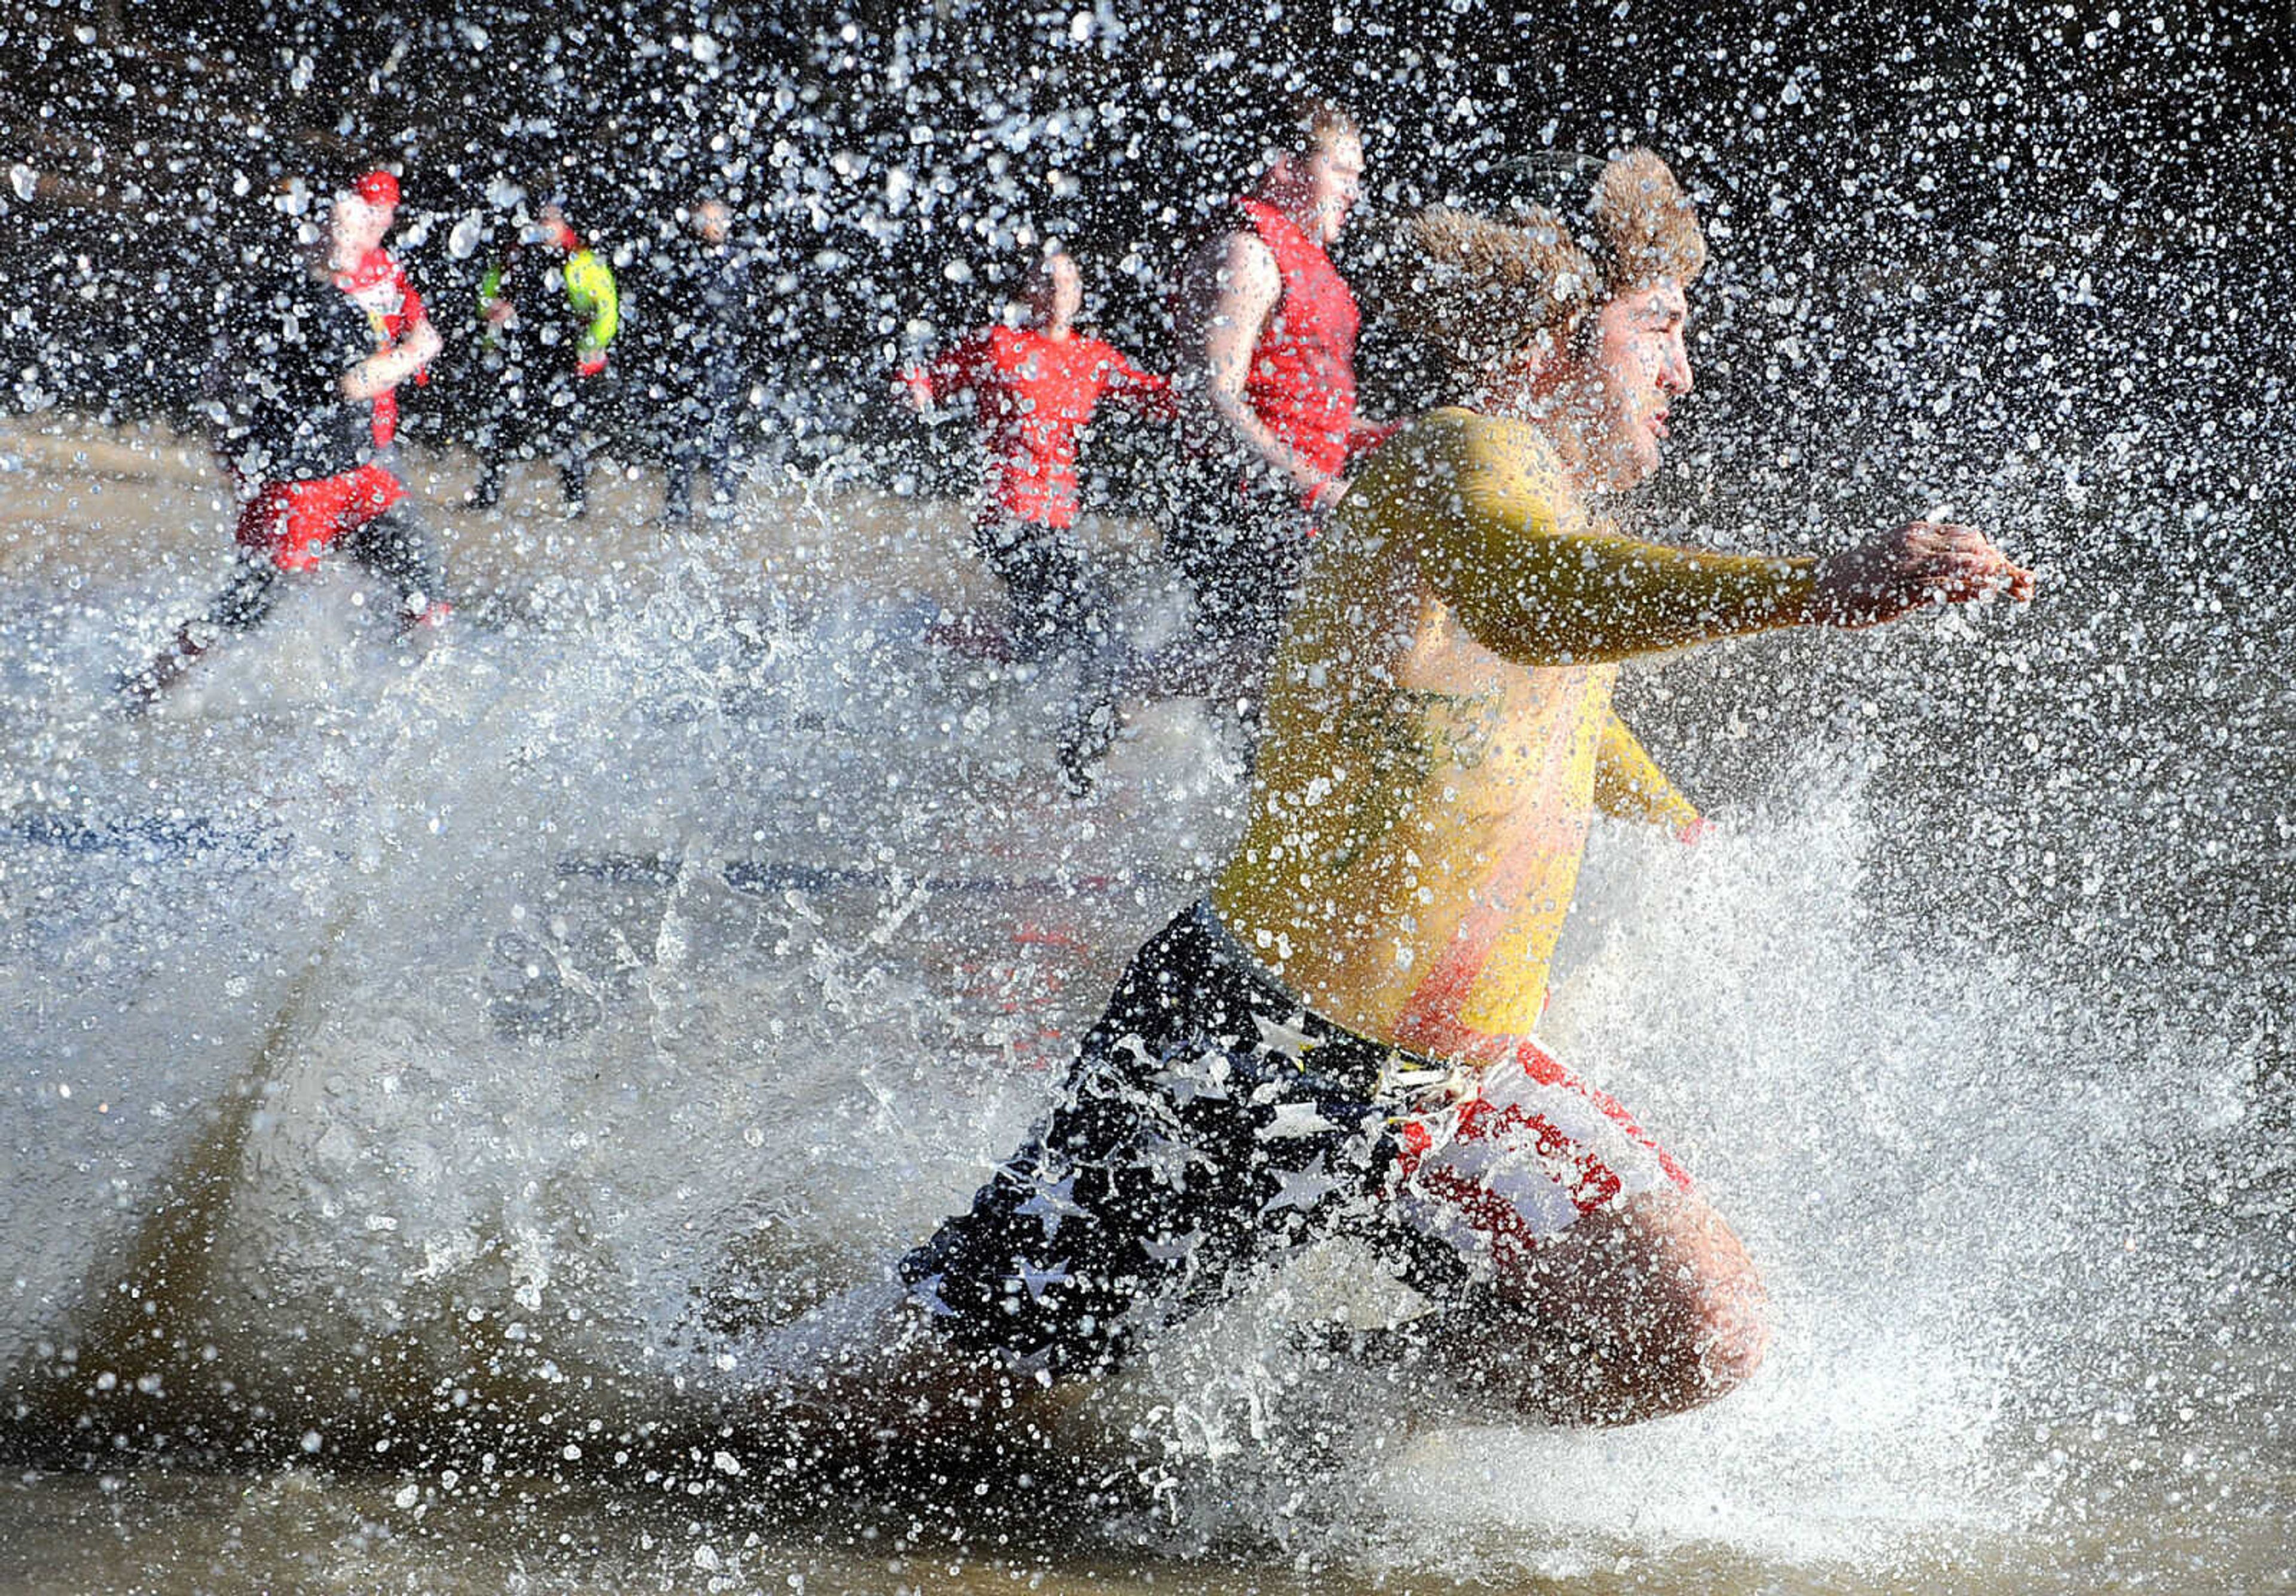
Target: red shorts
(1525,1150)
(293,522)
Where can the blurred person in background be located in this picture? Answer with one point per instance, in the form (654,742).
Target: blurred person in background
(549,309)
(378,281)
(1264,368)
(698,376)
(1033,388)
(295,380)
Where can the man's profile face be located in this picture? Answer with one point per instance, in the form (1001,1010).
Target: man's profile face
(1332,175)
(712,222)
(1640,365)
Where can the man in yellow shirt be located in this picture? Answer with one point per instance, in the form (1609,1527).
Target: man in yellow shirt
(1339,1039)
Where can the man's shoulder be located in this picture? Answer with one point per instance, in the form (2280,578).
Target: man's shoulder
(1472,438)
(1450,447)
(1233,243)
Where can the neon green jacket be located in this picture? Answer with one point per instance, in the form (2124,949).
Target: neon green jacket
(590,296)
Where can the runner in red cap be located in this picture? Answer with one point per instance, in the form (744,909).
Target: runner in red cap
(301,441)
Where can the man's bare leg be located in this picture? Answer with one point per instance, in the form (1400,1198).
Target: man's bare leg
(1648,1309)
(253,592)
(867,1364)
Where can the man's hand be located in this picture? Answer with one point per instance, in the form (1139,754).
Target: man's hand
(499,313)
(591,364)
(1922,562)
(386,369)
(1326,495)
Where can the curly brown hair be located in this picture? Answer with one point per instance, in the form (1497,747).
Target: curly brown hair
(1482,289)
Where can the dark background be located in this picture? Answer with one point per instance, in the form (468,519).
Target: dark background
(2023,225)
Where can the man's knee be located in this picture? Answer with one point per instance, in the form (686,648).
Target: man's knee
(1646,1310)
(1734,1337)
(1700,1307)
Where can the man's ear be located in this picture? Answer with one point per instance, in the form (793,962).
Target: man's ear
(1540,358)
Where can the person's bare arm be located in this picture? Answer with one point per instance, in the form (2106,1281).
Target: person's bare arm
(954,372)
(1922,562)
(1226,297)
(386,369)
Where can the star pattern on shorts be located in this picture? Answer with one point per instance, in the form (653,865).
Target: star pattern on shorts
(1301,1189)
(1167,1252)
(1051,1201)
(1168,1159)
(1296,1119)
(1205,1076)
(1139,1049)
(1035,1365)
(927,1295)
(1284,1037)
(1034,1277)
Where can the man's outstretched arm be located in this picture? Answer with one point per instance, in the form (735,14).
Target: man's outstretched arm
(1483,504)
(1922,562)
(955,371)
(386,368)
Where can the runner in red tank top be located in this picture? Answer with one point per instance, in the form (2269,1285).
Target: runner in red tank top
(1299,378)
(1265,337)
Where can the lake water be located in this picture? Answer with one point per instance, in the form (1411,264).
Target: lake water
(427,1071)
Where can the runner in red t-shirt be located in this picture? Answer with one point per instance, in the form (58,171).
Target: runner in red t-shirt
(1033,388)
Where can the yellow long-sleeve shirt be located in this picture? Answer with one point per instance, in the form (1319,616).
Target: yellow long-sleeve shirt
(1438,730)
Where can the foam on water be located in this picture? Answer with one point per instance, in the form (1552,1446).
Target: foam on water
(543,1022)
(491,1064)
